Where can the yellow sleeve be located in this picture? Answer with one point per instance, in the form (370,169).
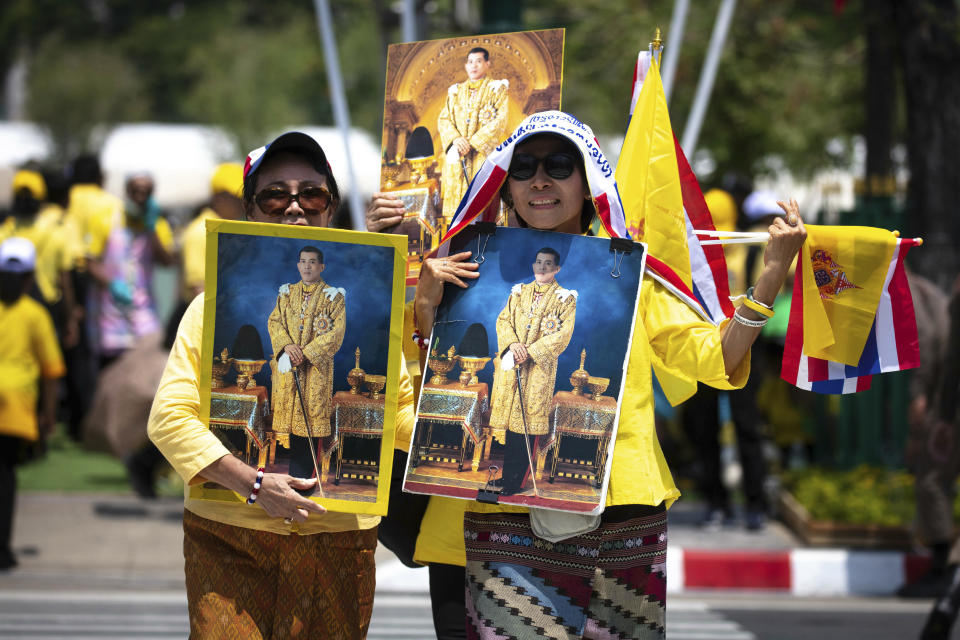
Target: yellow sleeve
(98,231)
(47,346)
(194,253)
(406,411)
(175,425)
(164,234)
(684,348)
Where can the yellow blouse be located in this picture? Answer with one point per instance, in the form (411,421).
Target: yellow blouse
(682,349)
(175,427)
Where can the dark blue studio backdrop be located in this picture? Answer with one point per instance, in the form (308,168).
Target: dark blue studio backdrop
(605,305)
(251,269)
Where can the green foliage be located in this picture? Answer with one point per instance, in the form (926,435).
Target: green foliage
(790,76)
(81,87)
(864,495)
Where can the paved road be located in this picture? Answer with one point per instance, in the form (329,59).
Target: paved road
(111,567)
(54,613)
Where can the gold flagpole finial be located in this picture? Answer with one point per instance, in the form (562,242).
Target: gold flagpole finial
(656,47)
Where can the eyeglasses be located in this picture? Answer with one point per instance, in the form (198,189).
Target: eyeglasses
(558,166)
(274,201)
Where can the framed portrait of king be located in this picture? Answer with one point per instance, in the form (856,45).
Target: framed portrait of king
(301,356)
(521,400)
(447,104)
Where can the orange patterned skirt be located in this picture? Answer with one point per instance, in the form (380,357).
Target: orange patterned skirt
(249,584)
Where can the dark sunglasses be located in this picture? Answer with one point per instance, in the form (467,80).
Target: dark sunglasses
(273,201)
(558,166)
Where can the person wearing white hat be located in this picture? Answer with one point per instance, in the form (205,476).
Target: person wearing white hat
(30,364)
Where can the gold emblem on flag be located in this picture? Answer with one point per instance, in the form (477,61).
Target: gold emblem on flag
(829,276)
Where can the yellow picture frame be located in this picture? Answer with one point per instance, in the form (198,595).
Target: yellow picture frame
(378,261)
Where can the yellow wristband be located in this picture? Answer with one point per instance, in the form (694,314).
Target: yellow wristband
(753,305)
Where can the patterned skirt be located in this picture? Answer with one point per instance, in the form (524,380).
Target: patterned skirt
(610,583)
(249,584)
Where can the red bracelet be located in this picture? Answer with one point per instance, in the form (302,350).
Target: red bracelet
(256,486)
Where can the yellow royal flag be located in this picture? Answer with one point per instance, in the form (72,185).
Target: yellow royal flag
(649,181)
(844,269)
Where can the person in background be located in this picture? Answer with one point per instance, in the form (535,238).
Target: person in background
(700,413)
(927,458)
(30,364)
(122,253)
(943,451)
(88,205)
(279,566)
(226,186)
(39,220)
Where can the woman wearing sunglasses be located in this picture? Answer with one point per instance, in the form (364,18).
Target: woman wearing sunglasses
(608,578)
(279,565)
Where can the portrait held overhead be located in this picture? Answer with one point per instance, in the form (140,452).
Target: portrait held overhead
(448,103)
(541,341)
(298,371)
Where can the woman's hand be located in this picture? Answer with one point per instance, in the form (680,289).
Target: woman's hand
(434,272)
(278,491)
(519,351)
(787,235)
(384,211)
(295,353)
(279,498)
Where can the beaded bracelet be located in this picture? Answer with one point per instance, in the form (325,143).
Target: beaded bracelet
(256,486)
(756,324)
(421,342)
(755,305)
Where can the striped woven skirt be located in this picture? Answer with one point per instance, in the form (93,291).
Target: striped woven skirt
(608,584)
(248,584)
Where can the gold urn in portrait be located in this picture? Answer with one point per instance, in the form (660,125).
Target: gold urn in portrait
(356,376)
(471,365)
(580,377)
(441,365)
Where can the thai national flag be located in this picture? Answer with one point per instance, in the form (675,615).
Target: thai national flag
(892,344)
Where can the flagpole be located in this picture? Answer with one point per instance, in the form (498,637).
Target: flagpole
(677,24)
(341,116)
(691,132)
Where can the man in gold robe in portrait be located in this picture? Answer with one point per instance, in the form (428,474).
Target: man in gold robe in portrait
(533,329)
(472,123)
(306,326)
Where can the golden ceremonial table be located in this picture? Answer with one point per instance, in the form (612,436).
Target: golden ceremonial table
(579,416)
(355,415)
(454,405)
(246,410)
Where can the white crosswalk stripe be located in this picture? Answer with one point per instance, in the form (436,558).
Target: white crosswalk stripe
(58,614)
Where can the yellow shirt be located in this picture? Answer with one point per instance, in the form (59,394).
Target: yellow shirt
(54,251)
(175,427)
(28,351)
(99,229)
(682,349)
(89,203)
(194,250)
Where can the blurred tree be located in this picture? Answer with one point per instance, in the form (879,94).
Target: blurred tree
(788,80)
(75,88)
(253,90)
(930,49)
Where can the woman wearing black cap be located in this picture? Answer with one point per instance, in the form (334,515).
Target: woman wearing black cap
(279,565)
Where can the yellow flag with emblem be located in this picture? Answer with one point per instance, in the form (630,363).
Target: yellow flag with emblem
(649,181)
(844,269)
